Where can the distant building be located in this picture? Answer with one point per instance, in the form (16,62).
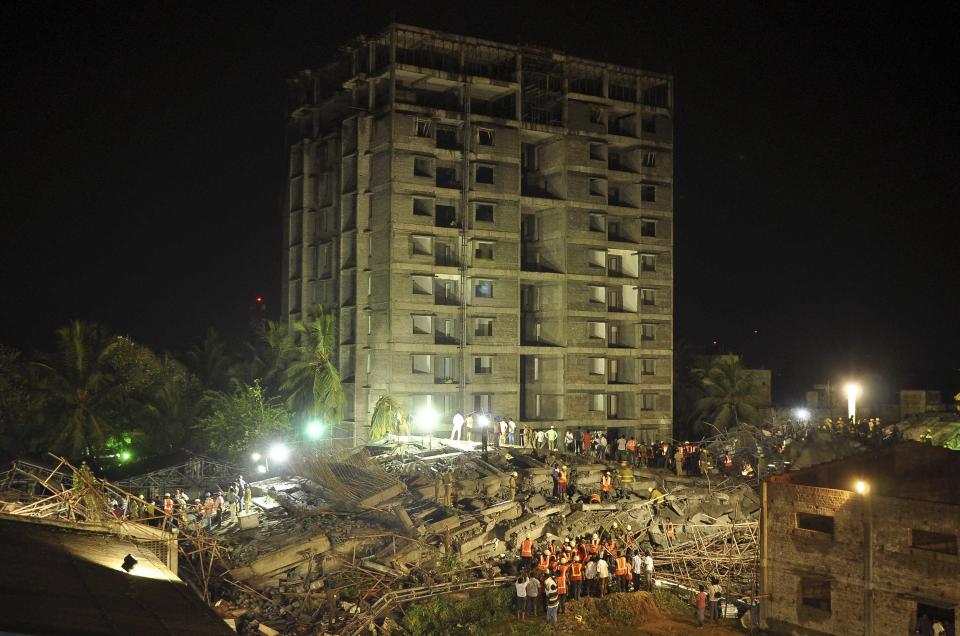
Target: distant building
(491,225)
(837,561)
(916,401)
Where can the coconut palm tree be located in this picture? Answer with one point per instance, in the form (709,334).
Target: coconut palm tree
(729,394)
(388,417)
(82,399)
(210,362)
(311,379)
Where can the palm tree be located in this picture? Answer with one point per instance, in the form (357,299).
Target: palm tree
(729,395)
(311,379)
(82,400)
(210,362)
(388,417)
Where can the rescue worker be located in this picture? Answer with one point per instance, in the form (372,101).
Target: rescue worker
(562,482)
(438,489)
(632,451)
(167,505)
(513,485)
(606,486)
(526,553)
(562,580)
(576,577)
(543,564)
(678,461)
(448,490)
(706,461)
(620,571)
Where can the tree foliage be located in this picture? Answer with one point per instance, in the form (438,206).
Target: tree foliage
(241,418)
(311,379)
(729,395)
(388,417)
(81,398)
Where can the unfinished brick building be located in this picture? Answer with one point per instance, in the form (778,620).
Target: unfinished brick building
(492,225)
(840,561)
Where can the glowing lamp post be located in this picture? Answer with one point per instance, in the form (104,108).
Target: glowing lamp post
(802,415)
(427,420)
(853,391)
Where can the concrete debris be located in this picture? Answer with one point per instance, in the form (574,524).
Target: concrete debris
(344,532)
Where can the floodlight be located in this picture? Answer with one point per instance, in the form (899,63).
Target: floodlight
(279,452)
(314,429)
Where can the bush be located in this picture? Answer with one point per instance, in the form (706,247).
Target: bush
(444,616)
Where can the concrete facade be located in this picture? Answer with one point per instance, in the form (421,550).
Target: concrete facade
(835,561)
(493,226)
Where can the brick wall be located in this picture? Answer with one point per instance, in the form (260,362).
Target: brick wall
(902,575)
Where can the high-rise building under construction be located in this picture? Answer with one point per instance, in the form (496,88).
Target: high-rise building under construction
(492,226)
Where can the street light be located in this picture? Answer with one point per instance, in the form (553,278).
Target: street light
(314,429)
(255,457)
(802,415)
(862,487)
(853,391)
(427,420)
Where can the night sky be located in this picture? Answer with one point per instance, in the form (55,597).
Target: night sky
(817,167)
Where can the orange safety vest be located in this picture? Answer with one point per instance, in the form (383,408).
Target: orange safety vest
(594,548)
(544,562)
(631,445)
(562,580)
(621,566)
(728,461)
(610,546)
(526,548)
(669,529)
(167,506)
(576,571)
(563,476)
(605,482)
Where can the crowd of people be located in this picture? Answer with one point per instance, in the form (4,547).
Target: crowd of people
(554,572)
(177,510)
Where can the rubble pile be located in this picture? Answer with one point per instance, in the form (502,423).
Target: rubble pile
(336,541)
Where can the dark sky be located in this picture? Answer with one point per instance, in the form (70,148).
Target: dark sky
(817,166)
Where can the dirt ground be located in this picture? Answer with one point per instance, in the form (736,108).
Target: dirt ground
(633,614)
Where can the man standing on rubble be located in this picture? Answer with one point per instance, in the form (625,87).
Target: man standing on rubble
(576,577)
(678,461)
(606,486)
(448,488)
(438,489)
(511,432)
(552,439)
(562,482)
(636,566)
(457,427)
(513,486)
(526,553)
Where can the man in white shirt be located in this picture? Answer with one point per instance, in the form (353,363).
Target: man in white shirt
(713,598)
(603,573)
(590,574)
(511,431)
(521,584)
(636,566)
(457,427)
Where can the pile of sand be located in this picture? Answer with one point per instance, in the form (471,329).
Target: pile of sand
(615,609)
